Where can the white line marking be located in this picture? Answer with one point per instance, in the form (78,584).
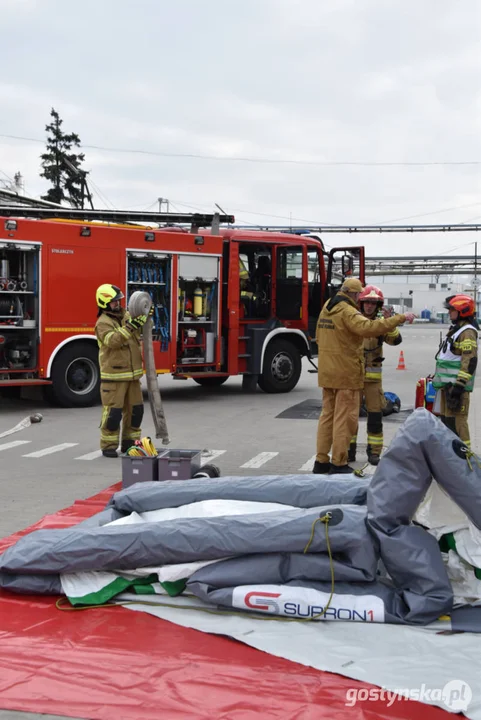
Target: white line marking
(14,443)
(50,450)
(309,464)
(210,455)
(260,459)
(90,456)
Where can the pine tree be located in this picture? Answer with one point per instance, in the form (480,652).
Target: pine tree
(61,165)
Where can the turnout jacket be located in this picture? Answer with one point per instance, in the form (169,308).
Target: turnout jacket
(120,352)
(373,353)
(341,329)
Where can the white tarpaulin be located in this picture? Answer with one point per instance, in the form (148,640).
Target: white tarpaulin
(419,663)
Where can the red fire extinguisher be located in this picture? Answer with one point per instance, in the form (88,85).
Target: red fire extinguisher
(425,394)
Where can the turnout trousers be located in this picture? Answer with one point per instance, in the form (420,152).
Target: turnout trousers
(122,404)
(337,424)
(375,402)
(457,421)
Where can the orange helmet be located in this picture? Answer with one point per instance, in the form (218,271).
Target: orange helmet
(371,293)
(464,304)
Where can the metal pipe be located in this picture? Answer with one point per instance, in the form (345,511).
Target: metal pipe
(358,229)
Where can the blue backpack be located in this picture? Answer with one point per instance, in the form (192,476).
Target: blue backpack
(393,403)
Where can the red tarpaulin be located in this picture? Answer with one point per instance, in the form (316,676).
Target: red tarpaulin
(115,664)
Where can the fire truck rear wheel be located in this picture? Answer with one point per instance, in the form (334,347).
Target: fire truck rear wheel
(282,367)
(211,381)
(75,376)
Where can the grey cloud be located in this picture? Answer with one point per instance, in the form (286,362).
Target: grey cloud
(331,80)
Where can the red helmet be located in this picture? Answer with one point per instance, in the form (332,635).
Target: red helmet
(371,293)
(464,304)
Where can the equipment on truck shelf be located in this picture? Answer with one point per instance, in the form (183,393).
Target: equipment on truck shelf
(192,345)
(152,275)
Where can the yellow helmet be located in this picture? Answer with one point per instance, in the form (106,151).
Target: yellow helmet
(106,294)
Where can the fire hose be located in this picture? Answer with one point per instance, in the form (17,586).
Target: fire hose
(140,303)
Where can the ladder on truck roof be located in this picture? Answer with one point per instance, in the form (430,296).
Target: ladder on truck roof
(358,229)
(195,220)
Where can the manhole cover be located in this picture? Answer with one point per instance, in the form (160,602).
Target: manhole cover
(307,410)
(311,409)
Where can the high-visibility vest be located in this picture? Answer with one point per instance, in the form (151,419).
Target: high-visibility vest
(448,365)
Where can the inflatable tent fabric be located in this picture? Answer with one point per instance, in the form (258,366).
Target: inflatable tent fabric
(386,569)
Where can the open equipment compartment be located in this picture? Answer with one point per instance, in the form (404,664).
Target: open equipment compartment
(19,309)
(151,272)
(198,312)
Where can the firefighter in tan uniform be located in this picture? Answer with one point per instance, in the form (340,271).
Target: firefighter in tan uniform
(120,359)
(456,362)
(371,301)
(341,329)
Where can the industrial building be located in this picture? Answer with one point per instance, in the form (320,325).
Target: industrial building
(422,294)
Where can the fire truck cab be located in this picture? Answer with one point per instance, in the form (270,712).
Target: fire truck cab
(226,301)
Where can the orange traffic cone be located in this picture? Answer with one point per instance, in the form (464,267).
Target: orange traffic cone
(401,365)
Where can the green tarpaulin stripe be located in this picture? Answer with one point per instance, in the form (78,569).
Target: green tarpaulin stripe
(99,597)
(174,588)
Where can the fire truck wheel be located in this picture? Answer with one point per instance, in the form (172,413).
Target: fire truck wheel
(75,376)
(211,381)
(282,367)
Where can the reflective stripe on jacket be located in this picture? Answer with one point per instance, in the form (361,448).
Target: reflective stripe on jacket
(120,352)
(456,359)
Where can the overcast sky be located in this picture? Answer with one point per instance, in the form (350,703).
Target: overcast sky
(310,81)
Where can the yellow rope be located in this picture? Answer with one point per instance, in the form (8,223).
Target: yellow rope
(142,448)
(470,454)
(324,519)
(242,613)
(360,472)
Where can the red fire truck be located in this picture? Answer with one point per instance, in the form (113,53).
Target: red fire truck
(226,301)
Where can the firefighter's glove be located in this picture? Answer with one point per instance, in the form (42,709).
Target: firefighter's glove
(138,322)
(454,397)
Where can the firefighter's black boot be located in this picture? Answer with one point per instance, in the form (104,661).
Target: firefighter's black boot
(126,444)
(372,458)
(321,468)
(340,469)
(110,453)
(351,455)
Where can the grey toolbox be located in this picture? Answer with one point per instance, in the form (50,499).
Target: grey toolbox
(178,464)
(138,469)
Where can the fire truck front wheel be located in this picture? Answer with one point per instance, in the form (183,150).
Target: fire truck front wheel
(75,376)
(282,367)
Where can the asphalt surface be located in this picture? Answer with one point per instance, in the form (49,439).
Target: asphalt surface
(51,464)
(55,463)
